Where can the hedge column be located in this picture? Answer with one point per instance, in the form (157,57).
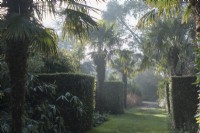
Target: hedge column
(113,97)
(184,103)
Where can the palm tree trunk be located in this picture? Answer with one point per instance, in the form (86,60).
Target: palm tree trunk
(16,57)
(100,68)
(197,21)
(124,79)
(167,97)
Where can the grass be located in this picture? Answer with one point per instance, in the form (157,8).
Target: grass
(149,120)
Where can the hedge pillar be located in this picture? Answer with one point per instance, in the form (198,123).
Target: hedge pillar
(184,103)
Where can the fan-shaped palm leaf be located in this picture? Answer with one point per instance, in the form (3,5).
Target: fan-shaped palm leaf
(77,23)
(46,41)
(39,38)
(165,8)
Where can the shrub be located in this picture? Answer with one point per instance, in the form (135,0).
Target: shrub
(63,62)
(133,100)
(41,114)
(113,97)
(98,119)
(184,103)
(134,96)
(81,86)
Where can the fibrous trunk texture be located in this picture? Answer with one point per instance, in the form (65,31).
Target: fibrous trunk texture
(16,57)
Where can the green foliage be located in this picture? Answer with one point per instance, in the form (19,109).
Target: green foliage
(77,22)
(4,77)
(197,61)
(168,45)
(35,63)
(125,62)
(161,88)
(42,109)
(113,97)
(99,119)
(120,12)
(5,121)
(167,9)
(87,68)
(79,85)
(184,103)
(114,76)
(62,62)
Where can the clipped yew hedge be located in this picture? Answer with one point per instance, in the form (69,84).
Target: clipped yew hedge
(113,97)
(184,103)
(78,85)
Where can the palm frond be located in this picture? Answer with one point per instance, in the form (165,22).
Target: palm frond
(161,8)
(187,13)
(46,41)
(147,19)
(77,23)
(16,27)
(164,4)
(44,8)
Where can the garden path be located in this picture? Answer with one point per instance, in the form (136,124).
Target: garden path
(148,118)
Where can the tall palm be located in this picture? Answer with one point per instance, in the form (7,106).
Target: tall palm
(21,32)
(125,63)
(103,41)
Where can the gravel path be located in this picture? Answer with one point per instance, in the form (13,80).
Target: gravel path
(148,104)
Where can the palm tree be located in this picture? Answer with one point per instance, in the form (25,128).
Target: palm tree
(103,41)
(125,63)
(22,31)
(171,8)
(168,45)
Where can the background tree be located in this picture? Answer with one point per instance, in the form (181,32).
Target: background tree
(62,62)
(120,13)
(103,41)
(125,63)
(168,45)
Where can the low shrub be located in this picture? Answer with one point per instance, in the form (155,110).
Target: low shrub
(98,119)
(184,103)
(62,62)
(113,97)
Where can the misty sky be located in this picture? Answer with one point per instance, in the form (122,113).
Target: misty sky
(50,21)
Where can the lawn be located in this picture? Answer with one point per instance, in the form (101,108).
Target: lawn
(145,120)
